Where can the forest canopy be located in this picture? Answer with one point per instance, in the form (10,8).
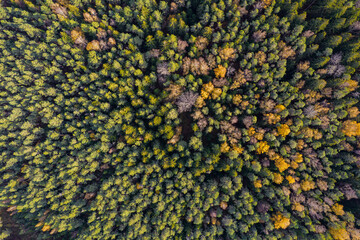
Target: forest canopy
(182,119)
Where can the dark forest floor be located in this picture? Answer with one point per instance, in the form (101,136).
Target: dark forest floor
(16,231)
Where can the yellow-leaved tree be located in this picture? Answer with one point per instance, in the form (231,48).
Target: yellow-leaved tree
(283,130)
(263,147)
(220,71)
(351,128)
(280,221)
(93,45)
(227,53)
(339,234)
(307,185)
(338,209)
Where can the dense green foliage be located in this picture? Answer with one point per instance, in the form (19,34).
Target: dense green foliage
(189,119)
